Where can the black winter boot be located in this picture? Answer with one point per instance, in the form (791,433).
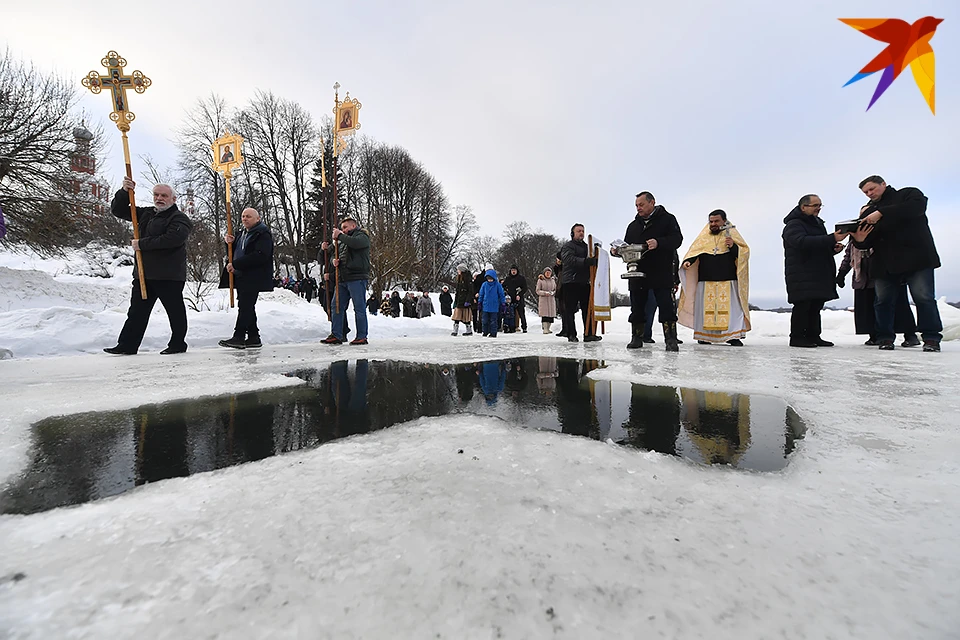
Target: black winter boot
(670,336)
(236,342)
(636,341)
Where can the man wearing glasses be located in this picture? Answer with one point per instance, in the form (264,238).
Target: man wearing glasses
(809,269)
(895,226)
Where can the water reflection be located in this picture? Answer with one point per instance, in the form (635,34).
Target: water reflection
(89,456)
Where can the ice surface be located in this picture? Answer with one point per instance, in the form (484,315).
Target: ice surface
(526,534)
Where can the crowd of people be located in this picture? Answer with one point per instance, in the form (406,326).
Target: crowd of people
(890,251)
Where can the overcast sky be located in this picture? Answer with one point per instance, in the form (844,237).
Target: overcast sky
(556,112)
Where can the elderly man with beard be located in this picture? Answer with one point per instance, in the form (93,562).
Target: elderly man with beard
(716,284)
(655,227)
(163,247)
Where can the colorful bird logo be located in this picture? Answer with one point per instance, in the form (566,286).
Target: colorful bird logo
(907,44)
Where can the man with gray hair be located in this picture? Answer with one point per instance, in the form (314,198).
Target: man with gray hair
(252,270)
(163,247)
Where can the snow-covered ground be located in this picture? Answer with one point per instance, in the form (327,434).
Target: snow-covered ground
(528,535)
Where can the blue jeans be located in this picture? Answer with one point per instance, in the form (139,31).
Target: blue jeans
(920,284)
(648,313)
(490,322)
(355,291)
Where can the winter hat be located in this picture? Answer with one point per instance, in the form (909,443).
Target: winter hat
(461,267)
(446,288)
(487,267)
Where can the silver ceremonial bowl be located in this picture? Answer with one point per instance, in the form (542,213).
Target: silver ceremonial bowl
(631,254)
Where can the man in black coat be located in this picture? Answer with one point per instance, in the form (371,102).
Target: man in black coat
(896,227)
(657,228)
(251,268)
(515,288)
(576,283)
(809,269)
(163,248)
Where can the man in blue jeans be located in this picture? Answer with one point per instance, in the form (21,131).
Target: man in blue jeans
(351,271)
(894,223)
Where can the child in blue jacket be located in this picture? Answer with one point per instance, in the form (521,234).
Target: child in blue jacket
(489,299)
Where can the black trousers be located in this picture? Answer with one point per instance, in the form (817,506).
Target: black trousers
(638,302)
(170,295)
(576,295)
(521,319)
(246,315)
(805,320)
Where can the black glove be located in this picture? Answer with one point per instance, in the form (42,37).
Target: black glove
(590,262)
(841,279)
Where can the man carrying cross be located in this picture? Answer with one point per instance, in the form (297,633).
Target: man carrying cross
(163,244)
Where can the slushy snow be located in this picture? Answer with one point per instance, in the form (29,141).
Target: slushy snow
(526,535)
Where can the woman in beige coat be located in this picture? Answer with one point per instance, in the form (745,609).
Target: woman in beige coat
(547,305)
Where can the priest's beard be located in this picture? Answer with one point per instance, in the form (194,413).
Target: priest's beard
(715,233)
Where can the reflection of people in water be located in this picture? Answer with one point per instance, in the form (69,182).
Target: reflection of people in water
(492,379)
(227,154)
(161,444)
(574,408)
(654,421)
(718,424)
(466,380)
(347,404)
(547,375)
(516,377)
(346,119)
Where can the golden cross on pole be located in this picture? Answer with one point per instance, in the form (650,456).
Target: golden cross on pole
(119,83)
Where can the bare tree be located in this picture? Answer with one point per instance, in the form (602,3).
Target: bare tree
(36,143)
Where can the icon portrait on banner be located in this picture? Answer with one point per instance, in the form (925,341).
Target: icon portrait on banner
(227,152)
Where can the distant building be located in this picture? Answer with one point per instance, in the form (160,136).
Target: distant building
(92,194)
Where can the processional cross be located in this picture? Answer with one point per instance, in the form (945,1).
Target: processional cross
(119,83)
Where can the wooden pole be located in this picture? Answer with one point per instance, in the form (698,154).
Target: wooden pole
(326,237)
(336,245)
(124,127)
(590,326)
(226,176)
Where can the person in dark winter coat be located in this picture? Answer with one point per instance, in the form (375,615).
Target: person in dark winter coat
(463,302)
(809,269)
(446,301)
(657,228)
(478,281)
(395,304)
(251,268)
(164,230)
(373,305)
(489,300)
(858,261)
(896,228)
(352,273)
(515,286)
(575,279)
(409,305)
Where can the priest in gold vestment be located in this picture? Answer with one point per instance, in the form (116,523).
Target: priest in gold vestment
(716,282)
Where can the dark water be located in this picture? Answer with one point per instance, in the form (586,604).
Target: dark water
(88,456)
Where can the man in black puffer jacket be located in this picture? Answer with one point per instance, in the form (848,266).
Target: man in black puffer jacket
(252,267)
(897,229)
(163,248)
(576,283)
(809,269)
(657,228)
